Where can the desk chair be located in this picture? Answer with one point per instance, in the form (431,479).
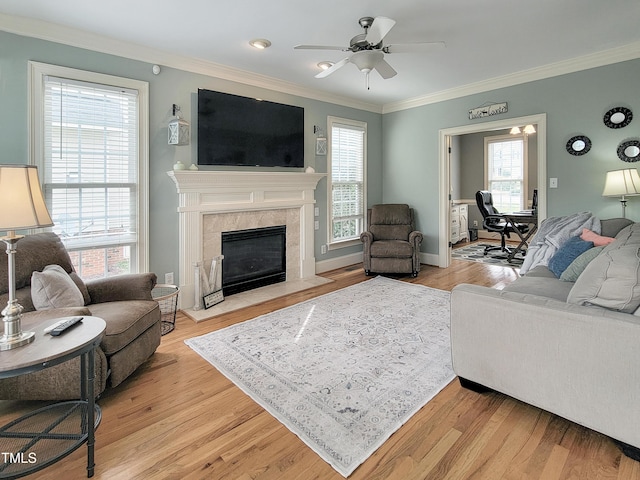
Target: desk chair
(495,222)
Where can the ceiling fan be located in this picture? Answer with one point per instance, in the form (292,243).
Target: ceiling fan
(368,51)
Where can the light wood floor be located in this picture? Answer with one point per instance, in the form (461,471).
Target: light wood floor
(177,417)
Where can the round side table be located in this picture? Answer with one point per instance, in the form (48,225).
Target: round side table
(40,438)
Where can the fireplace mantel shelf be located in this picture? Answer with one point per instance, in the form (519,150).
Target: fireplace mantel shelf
(201,181)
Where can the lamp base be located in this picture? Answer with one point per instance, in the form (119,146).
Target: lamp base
(15,341)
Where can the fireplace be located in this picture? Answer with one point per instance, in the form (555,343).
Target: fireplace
(212,202)
(253,258)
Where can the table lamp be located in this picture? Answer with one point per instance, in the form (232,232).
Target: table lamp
(622,183)
(23,207)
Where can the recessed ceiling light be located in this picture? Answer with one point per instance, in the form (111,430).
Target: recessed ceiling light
(325,65)
(260,43)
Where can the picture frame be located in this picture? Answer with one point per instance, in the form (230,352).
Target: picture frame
(212,299)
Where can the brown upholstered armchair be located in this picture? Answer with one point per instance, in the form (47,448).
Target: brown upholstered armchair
(392,244)
(124,302)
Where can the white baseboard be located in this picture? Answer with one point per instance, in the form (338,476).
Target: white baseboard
(338,262)
(346,260)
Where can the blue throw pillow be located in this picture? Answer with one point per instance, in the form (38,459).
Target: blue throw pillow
(567,253)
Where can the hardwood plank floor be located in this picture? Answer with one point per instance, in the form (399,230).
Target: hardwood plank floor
(177,417)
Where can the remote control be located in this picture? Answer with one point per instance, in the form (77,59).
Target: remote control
(62,327)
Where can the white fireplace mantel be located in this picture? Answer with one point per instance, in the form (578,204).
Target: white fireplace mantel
(212,192)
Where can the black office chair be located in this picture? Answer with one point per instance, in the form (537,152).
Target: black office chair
(495,222)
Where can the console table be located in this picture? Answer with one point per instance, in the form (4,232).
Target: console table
(40,438)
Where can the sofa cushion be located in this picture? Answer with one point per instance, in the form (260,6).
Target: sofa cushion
(126,321)
(612,279)
(542,282)
(573,271)
(391,248)
(567,253)
(54,288)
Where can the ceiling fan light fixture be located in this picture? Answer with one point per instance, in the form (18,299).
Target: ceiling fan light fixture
(515,131)
(366,60)
(529,129)
(325,65)
(260,43)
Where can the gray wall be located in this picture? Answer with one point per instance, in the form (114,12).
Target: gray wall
(171,86)
(574,103)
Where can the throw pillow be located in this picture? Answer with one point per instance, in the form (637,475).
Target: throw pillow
(567,253)
(575,268)
(598,240)
(54,288)
(611,280)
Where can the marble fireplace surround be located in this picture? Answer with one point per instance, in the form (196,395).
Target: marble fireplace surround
(211,202)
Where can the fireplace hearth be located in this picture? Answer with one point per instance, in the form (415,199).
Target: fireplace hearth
(253,258)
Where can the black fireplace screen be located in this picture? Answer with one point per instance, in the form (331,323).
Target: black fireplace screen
(253,258)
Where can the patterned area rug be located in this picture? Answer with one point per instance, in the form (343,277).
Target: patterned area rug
(345,370)
(475,253)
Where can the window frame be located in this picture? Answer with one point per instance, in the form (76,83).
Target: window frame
(525,166)
(333,244)
(37,73)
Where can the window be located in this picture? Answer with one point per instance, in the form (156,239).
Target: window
(87,132)
(505,170)
(347,165)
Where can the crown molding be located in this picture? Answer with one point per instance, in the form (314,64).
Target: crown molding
(598,59)
(33,28)
(82,39)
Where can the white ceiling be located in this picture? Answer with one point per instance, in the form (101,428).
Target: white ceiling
(485,39)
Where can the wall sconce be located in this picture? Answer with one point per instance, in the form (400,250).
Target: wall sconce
(321,140)
(178,129)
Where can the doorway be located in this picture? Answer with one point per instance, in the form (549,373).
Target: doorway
(540,120)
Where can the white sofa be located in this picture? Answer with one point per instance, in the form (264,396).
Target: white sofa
(545,342)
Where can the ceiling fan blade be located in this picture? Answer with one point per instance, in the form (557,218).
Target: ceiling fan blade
(320,47)
(378,29)
(333,68)
(385,70)
(414,47)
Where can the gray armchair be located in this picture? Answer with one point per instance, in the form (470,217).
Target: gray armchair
(391,244)
(125,303)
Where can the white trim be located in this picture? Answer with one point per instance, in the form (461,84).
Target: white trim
(585,62)
(36,73)
(354,124)
(90,41)
(540,120)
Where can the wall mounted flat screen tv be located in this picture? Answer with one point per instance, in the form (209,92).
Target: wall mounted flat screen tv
(242,131)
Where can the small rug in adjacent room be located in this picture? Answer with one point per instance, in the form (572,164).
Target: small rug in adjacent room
(345,370)
(474,252)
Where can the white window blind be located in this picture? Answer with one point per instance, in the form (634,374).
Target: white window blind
(506,172)
(91,171)
(347,181)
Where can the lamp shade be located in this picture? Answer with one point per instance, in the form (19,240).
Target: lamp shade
(624,182)
(21,198)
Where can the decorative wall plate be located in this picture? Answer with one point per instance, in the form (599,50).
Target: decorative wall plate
(629,151)
(578,145)
(618,117)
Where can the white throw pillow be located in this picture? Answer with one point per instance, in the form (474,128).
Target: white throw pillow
(53,288)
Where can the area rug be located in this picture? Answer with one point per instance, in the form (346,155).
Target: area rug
(474,252)
(345,370)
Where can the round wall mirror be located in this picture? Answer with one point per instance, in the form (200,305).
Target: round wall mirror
(578,145)
(629,151)
(618,117)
